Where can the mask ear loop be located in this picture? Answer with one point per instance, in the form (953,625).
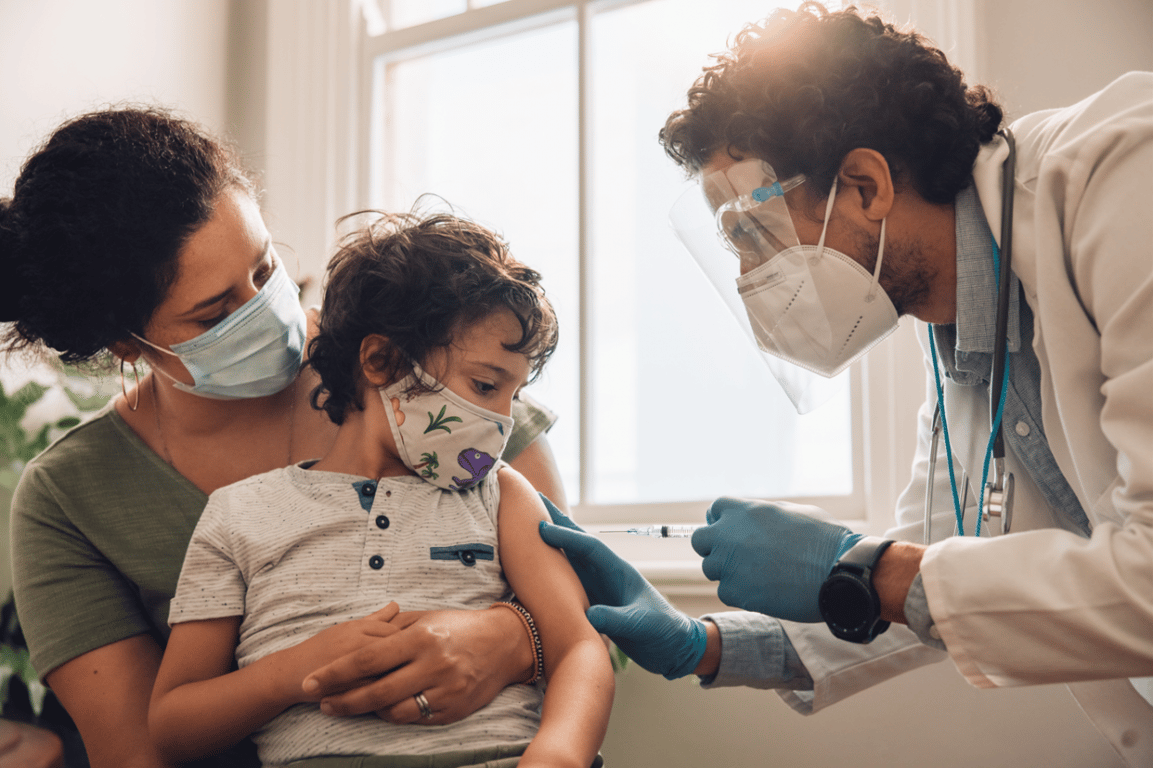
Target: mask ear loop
(123,390)
(828,213)
(155,369)
(872,294)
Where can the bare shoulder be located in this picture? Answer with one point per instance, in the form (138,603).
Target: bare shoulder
(518,497)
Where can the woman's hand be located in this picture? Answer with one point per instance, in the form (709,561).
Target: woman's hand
(459,660)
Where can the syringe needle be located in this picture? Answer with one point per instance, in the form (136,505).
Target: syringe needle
(661,531)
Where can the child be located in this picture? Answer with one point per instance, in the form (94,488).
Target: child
(429,329)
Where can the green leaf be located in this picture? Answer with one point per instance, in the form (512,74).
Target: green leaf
(16,662)
(27,395)
(33,447)
(87,404)
(439,421)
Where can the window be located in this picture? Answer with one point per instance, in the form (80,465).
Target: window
(539,118)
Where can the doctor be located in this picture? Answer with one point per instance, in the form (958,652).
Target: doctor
(855,178)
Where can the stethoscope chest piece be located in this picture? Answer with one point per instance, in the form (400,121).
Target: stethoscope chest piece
(998,500)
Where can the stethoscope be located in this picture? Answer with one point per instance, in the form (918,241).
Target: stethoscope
(997,489)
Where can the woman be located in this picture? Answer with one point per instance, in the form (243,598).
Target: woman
(136,233)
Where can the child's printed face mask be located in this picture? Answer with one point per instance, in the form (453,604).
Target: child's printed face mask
(445,439)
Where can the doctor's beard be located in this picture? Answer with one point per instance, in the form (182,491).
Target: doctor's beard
(906,274)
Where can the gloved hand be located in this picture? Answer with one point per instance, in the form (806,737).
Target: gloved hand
(770,557)
(626,607)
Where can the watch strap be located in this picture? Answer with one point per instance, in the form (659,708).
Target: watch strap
(865,554)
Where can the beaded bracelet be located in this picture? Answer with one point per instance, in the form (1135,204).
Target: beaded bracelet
(530,625)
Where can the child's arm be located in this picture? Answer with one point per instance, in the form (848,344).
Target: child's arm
(580,677)
(201,705)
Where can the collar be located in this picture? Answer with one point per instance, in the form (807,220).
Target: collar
(965,348)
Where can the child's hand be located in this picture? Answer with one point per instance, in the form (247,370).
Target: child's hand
(333,643)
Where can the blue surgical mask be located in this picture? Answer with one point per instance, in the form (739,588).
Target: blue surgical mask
(255,352)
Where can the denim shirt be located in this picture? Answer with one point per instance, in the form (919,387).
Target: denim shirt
(965,352)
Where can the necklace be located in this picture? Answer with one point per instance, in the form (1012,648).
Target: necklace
(166,454)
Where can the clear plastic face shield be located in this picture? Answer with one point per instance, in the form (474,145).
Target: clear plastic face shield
(739,224)
(811,309)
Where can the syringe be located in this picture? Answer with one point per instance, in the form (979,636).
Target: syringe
(661,531)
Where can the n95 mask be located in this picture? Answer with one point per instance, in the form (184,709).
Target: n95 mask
(444,438)
(815,306)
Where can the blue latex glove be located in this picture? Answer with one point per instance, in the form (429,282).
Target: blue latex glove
(626,607)
(770,557)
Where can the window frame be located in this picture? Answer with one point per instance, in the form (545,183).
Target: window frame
(869,425)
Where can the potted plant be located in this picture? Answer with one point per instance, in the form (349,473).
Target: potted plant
(39,402)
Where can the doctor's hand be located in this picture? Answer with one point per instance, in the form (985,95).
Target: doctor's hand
(626,607)
(770,557)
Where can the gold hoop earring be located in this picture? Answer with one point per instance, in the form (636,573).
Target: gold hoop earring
(136,376)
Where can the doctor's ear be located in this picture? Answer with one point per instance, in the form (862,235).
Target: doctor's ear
(376,360)
(867,175)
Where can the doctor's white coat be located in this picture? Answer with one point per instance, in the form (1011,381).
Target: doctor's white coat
(1044,604)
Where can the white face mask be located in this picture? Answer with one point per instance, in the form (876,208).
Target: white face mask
(445,439)
(817,307)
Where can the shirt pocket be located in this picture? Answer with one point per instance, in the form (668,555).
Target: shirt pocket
(466,554)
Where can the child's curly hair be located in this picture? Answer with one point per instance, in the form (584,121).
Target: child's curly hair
(801,89)
(417,280)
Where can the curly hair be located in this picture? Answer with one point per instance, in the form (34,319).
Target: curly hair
(90,238)
(417,280)
(802,89)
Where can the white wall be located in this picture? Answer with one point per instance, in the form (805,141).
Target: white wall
(63,57)
(1044,55)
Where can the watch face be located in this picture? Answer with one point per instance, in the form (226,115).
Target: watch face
(845,602)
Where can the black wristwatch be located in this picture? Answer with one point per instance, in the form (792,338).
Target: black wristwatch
(849,602)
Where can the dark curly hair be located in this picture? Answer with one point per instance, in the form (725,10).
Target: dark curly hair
(802,89)
(417,280)
(90,237)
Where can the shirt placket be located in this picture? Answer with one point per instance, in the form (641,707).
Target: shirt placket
(377,540)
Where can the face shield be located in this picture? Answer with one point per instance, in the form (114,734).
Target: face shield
(737,227)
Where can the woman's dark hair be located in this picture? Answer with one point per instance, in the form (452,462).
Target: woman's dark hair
(89,238)
(418,280)
(802,89)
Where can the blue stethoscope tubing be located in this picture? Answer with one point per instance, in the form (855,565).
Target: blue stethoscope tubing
(999,493)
